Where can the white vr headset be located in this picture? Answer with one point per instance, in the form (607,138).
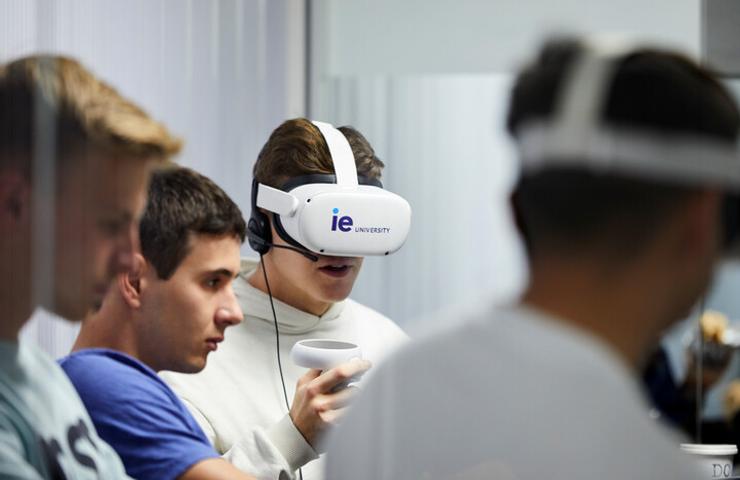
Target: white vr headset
(339,215)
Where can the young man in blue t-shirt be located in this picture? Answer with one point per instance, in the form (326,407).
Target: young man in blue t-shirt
(168,312)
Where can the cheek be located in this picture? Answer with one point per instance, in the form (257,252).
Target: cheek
(75,249)
(294,267)
(77,234)
(101,251)
(189,312)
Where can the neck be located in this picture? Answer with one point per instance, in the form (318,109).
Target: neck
(617,304)
(283,290)
(110,327)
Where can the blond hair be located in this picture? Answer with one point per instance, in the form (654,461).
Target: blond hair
(58,93)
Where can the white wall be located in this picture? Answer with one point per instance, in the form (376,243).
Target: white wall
(220,73)
(442,141)
(361,37)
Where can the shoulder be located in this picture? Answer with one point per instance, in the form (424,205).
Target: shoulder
(28,373)
(452,339)
(17,358)
(363,314)
(103,365)
(378,335)
(102,375)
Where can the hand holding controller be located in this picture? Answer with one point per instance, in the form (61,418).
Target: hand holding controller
(323,392)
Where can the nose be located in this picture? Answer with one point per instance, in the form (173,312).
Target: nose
(230,313)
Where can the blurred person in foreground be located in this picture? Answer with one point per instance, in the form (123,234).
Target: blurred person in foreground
(75,158)
(628,156)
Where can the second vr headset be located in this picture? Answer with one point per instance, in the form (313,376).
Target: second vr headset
(338,215)
(576,135)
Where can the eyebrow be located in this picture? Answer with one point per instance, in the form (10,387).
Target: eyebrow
(225,272)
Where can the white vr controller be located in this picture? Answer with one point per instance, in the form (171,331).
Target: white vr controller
(323,354)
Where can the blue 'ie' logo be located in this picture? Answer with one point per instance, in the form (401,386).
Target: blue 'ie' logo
(342,223)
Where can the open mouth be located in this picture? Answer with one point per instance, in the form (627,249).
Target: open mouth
(336,270)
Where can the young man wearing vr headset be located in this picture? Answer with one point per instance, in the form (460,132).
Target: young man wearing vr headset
(301,179)
(168,312)
(629,159)
(75,158)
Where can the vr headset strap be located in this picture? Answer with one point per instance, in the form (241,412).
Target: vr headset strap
(341,154)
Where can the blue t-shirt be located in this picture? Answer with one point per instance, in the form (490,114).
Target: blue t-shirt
(137,414)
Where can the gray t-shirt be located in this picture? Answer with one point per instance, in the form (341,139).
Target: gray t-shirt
(45,432)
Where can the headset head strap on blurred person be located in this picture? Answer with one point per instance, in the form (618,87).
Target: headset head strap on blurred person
(577,135)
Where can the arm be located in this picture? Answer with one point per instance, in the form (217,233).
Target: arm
(278,452)
(266,454)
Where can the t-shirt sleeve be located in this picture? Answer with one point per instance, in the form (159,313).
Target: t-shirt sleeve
(139,417)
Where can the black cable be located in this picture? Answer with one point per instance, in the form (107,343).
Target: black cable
(277,343)
(277,333)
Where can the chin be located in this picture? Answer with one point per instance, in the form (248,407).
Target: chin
(339,290)
(337,296)
(200,365)
(193,366)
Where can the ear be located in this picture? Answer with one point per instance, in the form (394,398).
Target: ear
(15,197)
(130,283)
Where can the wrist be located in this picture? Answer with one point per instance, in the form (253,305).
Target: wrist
(291,443)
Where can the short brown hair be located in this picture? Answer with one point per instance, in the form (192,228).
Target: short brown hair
(297,148)
(182,202)
(83,111)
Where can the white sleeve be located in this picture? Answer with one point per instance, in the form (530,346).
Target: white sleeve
(272,454)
